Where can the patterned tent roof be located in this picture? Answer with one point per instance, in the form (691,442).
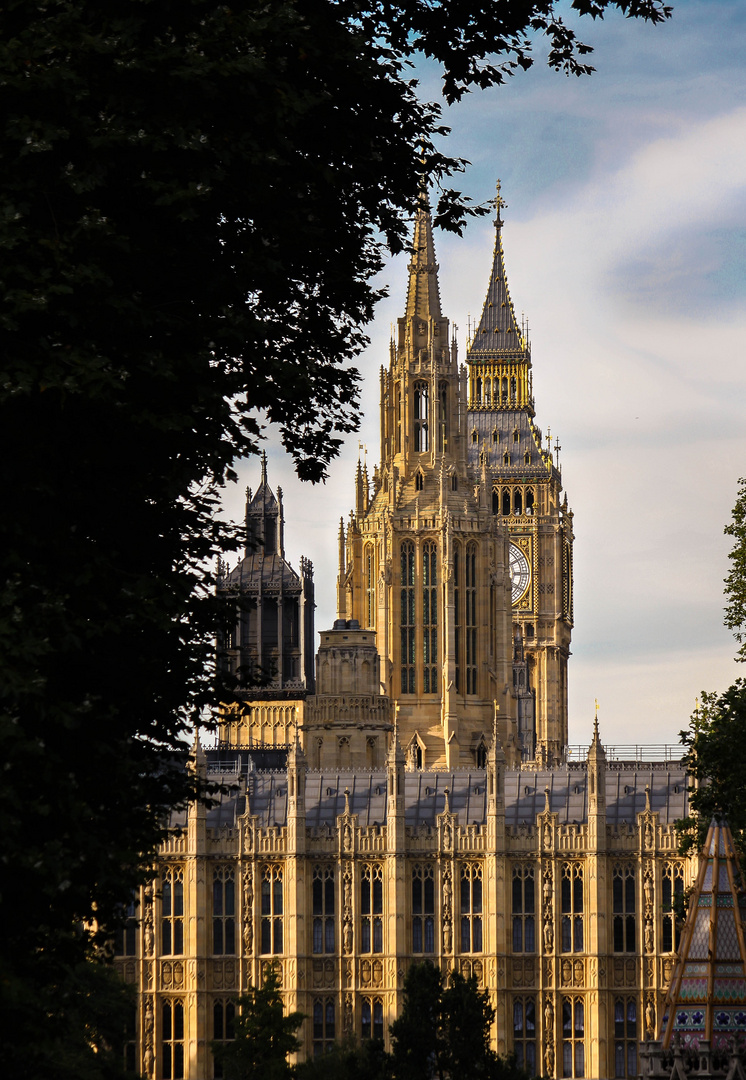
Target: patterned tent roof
(707,996)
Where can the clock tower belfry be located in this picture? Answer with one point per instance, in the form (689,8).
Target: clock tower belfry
(423,560)
(526,496)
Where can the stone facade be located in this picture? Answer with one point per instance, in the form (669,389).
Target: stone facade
(413,798)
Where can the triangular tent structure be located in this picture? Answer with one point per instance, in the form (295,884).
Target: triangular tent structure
(704,1021)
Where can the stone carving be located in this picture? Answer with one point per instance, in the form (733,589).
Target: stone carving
(347,913)
(547,834)
(650,1017)
(248,911)
(348,1016)
(149,936)
(347,837)
(447,910)
(566,973)
(548,911)
(548,1036)
(149,1054)
(579,973)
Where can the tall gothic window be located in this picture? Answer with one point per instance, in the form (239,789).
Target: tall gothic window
(471,619)
(672,888)
(371,908)
(223,1028)
(623,900)
(370,587)
(407,618)
(421,416)
(524,907)
(457,614)
(423,909)
(323,909)
(572,907)
(524,1033)
(573,1036)
(223,911)
(471,908)
(372,1018)
(172,1040)
(323,1025)
(271,909)
(125,937)
(443,417)
(625,1037)
(172,912)
(429,618)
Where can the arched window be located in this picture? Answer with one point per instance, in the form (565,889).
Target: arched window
(370,587)
(457,613)
(479,391)
(517,501)
(505,392)
(487,391)
(421,417)
(407,617)
(506,502)
(471,619)
(429,617)
(454,482)
(495,435)
(419,481)
(474,436)
(529,500)
(512,388)
(495,502)
(481,756)
(443,417)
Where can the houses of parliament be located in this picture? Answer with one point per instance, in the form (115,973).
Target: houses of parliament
(408,795)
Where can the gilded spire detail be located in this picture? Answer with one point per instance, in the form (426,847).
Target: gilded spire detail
(499,332)
(423,293)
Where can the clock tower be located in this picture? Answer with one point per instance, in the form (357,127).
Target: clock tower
(526,496)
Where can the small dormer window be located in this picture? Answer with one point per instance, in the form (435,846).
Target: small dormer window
(515,435)
(527,458)
(506,458)
(474,436)
(495,437)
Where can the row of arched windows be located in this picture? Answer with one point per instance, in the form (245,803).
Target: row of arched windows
(497,391)
(422,417)
(515,501)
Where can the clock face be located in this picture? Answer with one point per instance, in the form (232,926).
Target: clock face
(520,573)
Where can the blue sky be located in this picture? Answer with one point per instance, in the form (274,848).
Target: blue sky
(625,246)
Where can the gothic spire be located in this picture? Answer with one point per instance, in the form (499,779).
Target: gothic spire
(423,294)
(498,331)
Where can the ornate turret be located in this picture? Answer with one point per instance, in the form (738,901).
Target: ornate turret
(425,562)
(269,649)
(522,486)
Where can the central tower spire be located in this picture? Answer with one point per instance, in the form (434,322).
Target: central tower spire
(423,293)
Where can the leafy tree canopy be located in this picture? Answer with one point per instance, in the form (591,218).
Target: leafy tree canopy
(194,198)
(264,1036)
(443,1033)
(714,740)
(735,582)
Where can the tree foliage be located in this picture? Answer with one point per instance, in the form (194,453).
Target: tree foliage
(716,759)
(735,582)
(264,1036)
(715,747)
(443,1032)
(194,199)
